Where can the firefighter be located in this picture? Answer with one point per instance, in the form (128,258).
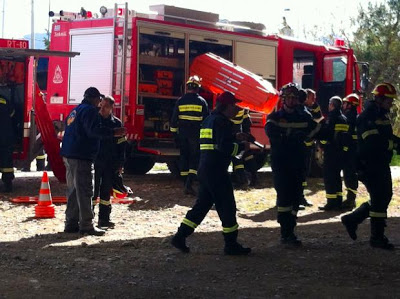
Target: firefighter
(217,147)
(308,150)
(109,162)
(312,105)
(80,146)
(189,112)
(376,143)
(335,141)
(287,129)
(242,123)
(7,112)
(349,108)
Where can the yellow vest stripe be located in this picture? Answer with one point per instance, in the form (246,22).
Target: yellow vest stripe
(228,230)
(188,117)
(189,223)
(190,108)
(206,133)
(370,132)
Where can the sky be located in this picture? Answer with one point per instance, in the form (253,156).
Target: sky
(300,15)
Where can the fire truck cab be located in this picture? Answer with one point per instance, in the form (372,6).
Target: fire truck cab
(143,61)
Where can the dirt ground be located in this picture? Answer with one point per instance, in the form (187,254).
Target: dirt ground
(135,260)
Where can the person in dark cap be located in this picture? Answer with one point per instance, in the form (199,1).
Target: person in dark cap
(217,147)
(83,132)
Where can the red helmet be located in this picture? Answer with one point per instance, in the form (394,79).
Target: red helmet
(385,90)
(353,99)
(119,194)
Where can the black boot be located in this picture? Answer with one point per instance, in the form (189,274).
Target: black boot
(253,179)
(104,216)
(188,185)
(179,239)
(350,202)
(352,220)
(378,238)
(333,204)
(305,202)
(8,187)
(288,223)
(232,247)
(241,179)
(40,164)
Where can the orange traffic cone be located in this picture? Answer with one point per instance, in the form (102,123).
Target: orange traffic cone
(45,207)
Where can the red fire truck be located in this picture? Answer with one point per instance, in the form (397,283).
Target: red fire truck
(143,60)
(18,85)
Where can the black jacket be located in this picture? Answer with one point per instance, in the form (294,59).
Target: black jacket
(375,135)
(6,122)
(112,150)
(335,132)
(83,131)
(189,112)
(287,133)
(217,145)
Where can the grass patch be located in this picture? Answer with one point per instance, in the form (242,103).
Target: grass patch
(160,166)
(395,159)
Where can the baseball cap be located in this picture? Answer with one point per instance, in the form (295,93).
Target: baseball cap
(227,98)
(92,92)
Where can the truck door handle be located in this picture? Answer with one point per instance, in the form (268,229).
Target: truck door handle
(211,40)
(162,33)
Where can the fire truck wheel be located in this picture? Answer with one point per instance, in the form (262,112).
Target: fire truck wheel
(173,167)
(138,165)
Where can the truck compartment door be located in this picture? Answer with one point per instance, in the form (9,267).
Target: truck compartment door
(94,65)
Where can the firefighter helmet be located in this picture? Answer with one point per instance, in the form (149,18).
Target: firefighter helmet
(194,81)
(119,190)
(385,90)
(353,99)
(290,89)
(119,194)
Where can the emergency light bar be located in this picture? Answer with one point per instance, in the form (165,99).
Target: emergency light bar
(66,15)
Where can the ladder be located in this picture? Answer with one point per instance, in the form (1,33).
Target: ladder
(122,54)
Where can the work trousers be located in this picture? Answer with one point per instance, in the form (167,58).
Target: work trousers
(288,186)
(378,180)
(350,170)
(189,155)
(333,160)
(103,183)
(308,150)
(6,164)
(216,190)
(79,194)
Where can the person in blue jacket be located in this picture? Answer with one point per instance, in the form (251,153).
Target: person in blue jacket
(81,142)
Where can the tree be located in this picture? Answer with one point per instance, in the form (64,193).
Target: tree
(377,41)
(46,40)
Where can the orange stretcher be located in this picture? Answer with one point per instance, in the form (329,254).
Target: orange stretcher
(219,75)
